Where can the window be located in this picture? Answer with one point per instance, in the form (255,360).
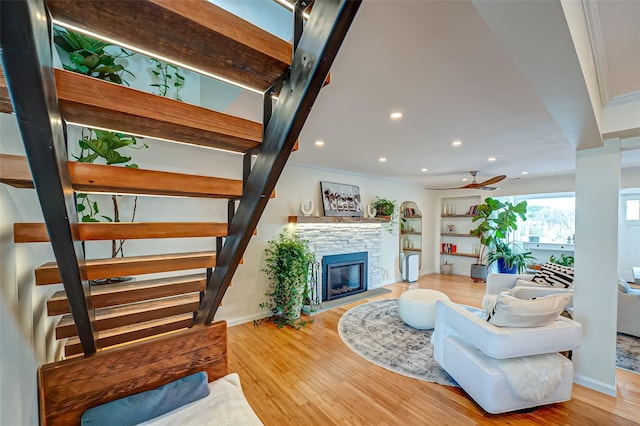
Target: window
(550,219)
(632,210)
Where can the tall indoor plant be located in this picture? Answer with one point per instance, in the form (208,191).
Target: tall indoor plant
(288,261)
(495,220)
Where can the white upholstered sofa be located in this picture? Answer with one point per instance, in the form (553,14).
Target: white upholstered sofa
(479,356)
(520,286)
(628,309)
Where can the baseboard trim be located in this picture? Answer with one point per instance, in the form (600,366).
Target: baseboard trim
(248,318)
(595,385)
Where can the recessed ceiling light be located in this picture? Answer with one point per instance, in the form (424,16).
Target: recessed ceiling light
(491,159)
(456,143)
(395,115)
(382,159)
(465,179)
(319,143)
(424,169)
(525,173)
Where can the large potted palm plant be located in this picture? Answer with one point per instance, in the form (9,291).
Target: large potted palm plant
(495,220)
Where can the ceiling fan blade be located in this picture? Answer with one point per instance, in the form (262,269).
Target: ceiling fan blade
(487,182)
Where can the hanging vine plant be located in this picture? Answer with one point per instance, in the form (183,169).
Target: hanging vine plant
(167,77)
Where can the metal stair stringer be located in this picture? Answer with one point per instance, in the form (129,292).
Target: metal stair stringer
(316,50)
(25,44)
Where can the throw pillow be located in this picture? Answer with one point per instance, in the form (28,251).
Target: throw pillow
(143,406)
(526,283)
(623,286)
(555,275)
(511,312)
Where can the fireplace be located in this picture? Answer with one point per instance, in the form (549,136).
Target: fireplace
(344,275)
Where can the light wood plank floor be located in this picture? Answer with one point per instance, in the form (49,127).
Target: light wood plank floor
(311,377)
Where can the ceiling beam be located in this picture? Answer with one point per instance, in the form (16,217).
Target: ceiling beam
(537,38)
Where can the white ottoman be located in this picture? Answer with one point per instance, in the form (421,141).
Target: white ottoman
(418,307)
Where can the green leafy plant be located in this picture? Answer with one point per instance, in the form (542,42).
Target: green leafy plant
(564,260)
(288,262)
(167,76)
(496,219)
(385,207)
(511,255)
(89,56)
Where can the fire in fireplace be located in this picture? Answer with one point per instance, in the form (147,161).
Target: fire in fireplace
(344,275)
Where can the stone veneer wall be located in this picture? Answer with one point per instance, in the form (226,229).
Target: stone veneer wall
(339,238)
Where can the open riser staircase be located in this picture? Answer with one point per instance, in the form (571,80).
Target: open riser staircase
(204,37)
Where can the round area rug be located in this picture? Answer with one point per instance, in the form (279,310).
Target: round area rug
(375,331)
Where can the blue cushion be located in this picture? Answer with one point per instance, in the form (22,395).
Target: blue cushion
(143,406)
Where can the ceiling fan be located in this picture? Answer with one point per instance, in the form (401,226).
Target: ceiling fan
(480,185)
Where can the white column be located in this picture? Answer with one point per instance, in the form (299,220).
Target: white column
(596,253)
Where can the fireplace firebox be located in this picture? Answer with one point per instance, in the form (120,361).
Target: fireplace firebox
(344,275)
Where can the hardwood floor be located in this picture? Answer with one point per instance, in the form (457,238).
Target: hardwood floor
(311,377)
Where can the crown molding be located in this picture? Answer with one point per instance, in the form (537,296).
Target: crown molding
(598,49)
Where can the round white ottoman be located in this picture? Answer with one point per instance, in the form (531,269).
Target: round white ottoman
(418,307)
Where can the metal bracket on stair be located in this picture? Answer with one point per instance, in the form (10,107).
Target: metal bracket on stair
(318,46)
(26,58)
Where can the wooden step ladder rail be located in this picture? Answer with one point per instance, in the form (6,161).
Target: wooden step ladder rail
(26,57)
(318,46)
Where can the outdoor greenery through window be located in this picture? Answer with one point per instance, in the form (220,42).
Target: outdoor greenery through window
(550,219)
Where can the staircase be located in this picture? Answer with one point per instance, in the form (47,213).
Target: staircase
(203,37)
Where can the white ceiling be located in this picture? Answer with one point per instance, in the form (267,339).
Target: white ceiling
(441,65)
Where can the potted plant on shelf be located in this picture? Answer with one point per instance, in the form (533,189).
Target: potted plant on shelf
(509,257)
(496,219)
(288,261)
(386,208)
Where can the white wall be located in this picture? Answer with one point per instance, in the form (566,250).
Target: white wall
(26,333)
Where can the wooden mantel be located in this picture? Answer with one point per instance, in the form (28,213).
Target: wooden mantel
(337,219)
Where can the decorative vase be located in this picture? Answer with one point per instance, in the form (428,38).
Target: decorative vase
(371,212)
(446,268)
(306,210)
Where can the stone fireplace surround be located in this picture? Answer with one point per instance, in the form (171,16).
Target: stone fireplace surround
(341,238)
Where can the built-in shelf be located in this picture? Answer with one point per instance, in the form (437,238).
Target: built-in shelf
(337,219)
(411,233)
(462,254)
(453,234)
(457,215)
(413,217)
(412,249)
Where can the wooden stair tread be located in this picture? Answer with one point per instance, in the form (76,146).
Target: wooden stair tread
(5,101)
(125,180)
(37,232)
(97,103)
(130,292)
(202,35)
(133,265)
(133,313)
(129,333)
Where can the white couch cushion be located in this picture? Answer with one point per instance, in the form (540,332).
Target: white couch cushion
(509,311)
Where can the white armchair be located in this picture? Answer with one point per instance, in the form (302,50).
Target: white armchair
(628,309)
(521,287)
(479,356)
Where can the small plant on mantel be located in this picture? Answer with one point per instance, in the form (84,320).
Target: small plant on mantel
(386,208)
(288,262)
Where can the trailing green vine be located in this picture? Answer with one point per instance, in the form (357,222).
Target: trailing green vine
(167,77)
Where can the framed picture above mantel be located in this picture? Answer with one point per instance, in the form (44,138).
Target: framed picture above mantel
(339,199)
